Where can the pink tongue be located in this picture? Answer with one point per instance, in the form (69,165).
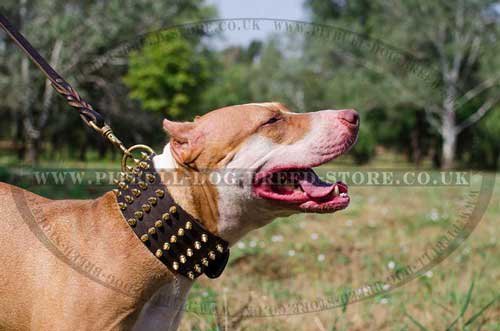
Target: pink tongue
(314,186)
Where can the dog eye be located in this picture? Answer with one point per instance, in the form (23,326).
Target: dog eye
(272,120)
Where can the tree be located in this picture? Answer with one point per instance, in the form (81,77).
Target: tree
(453,44)
(168,74)
(74,36)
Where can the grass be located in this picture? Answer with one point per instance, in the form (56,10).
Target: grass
(309,257)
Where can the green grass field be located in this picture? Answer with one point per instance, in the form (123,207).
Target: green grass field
(308,257)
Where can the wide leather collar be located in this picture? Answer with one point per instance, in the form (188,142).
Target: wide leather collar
(174,236)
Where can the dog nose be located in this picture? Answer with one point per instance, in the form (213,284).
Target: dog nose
(349,115)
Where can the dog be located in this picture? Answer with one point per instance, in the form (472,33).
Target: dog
(265,141)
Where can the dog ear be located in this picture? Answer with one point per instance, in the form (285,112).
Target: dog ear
(185,141)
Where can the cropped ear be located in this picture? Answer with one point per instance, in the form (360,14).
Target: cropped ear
(185,142)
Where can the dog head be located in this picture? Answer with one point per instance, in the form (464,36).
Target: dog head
(261,157)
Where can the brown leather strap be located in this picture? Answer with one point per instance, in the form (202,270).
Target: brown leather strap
(175,237)
(86,111)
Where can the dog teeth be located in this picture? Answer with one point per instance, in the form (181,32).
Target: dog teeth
(336,190)
(343,195)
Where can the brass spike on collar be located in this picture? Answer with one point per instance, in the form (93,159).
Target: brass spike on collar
(175,237)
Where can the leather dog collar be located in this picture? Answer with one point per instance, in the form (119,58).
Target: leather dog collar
(174,236)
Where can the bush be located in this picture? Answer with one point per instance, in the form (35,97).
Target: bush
(364,150)
(478,145)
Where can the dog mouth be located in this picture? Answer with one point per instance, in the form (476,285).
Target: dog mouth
(301,189)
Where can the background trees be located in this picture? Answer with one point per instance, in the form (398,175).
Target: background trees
(73,35)
(454,43)
(427,86)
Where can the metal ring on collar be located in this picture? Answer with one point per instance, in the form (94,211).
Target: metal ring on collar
(128,154)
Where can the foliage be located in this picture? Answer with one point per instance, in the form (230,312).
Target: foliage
(364,150)
(479,147)
(167,75)
(460,322)
(80,40)
(398,55)
(391,67)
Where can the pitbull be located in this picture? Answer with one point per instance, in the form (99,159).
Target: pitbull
(41,239)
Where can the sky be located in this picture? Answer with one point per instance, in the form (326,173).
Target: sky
(281,9)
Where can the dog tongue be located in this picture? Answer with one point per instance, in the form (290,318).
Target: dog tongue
(314,186)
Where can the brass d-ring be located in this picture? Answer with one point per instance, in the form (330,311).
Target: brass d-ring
(128,153)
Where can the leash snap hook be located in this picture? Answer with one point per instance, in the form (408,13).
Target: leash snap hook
(108,133)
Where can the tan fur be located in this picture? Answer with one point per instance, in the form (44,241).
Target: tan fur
(197,194)
(218,135)
(40,291)
(222,131)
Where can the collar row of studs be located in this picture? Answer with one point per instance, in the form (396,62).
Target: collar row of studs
(136,185)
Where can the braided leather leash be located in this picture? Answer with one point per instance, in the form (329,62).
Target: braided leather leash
(91,117)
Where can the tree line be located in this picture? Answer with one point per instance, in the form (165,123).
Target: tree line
(424,75)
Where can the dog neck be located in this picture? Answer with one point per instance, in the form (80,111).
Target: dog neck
(211,204)
(190,192)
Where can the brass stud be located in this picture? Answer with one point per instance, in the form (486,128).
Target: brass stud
(143,185)
(117,192)
(137,161)
(132,221)
(136,192)
(204,238)
(180,232)
(129,168)
(166,246)
(136,171)
(129,178)
(173,239)
(123,185)
(159,253)
(219,248)
(153,201)
(116,181)
(158,224)
(165,217)
(144,237)
(189,225)
(197,245)
(151,231)
(197,268)
(175,265)
(191,275)
(173,210)
(183,259)
(144,155)
(143,165)
(129,199)
(204,261)
(146,207)
(122,205)
(211,255)
(138,214)
(189,252)
(151,178)
(160,193)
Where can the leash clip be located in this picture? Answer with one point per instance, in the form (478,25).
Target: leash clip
(108,133)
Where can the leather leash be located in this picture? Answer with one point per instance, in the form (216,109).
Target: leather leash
(90,117)
(174,236)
